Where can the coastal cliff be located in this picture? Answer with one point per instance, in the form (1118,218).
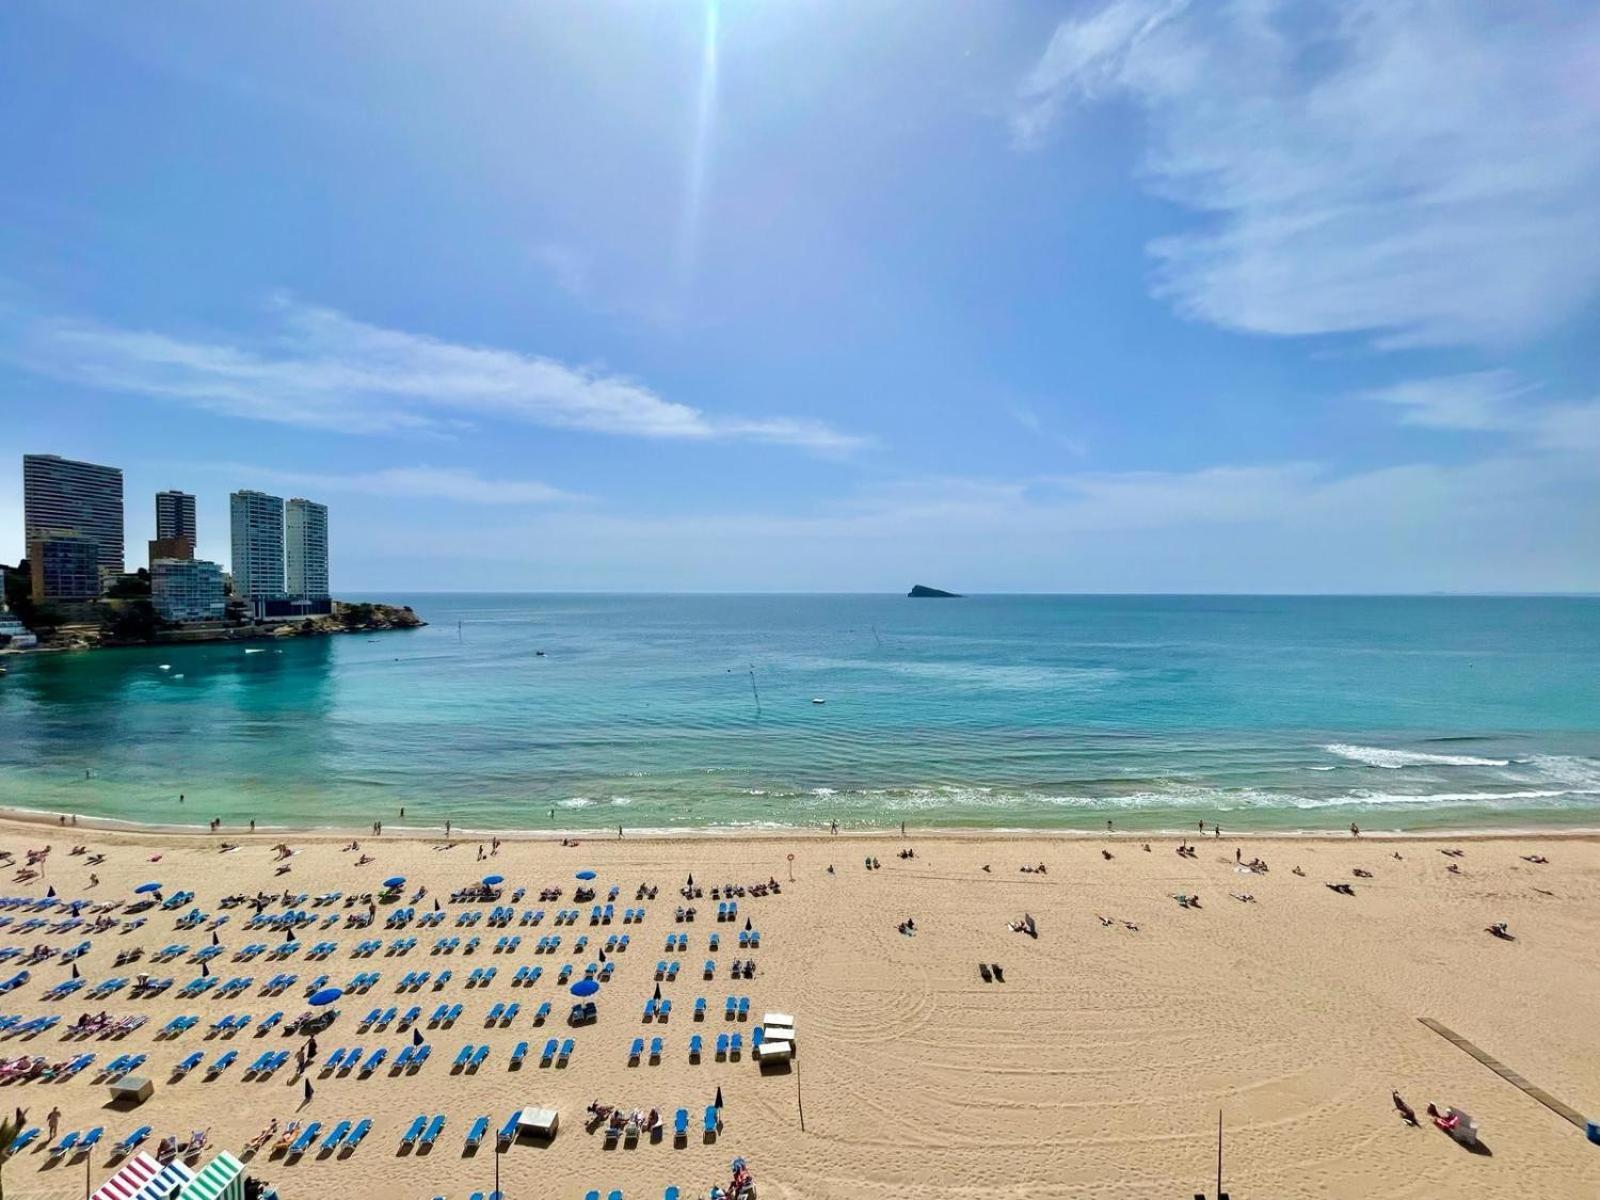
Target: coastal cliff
(927,593)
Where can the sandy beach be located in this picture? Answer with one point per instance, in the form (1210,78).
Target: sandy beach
(1097,1068)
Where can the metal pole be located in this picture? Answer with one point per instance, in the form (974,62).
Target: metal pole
(798,1098)
(497,1168)
(1219,1154)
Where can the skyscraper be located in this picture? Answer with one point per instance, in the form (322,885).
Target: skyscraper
(60,495)
(175,515)
(257,545)
(306,548)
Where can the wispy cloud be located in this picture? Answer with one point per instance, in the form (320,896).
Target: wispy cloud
(325,370)
(411,483)
(1518,522)
(1423,172)
(1494,402)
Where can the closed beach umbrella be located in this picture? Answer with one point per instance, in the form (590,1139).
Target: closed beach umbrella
(395,881)
(52,890)
(436,904)
(205,968)
(146,887)
(324,997)
(658,991)
(691,881)
(74,970)
(747,924)
(719,1095)
(585,874)
(416,1037)
(602,954)
(491,880)
(585,987)
(215,940)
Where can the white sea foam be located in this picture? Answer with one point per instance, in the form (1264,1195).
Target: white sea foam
(1579,773)
(1393,760)
(575,802)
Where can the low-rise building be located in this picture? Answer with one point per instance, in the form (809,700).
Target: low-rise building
(13,633)
(187,589)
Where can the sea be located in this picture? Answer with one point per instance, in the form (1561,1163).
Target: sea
(674,712)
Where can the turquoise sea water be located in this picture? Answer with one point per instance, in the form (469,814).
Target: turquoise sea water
(1019,711)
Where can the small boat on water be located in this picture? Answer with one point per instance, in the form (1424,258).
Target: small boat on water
(818,700)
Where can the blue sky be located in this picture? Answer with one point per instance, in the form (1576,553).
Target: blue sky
(1245,295)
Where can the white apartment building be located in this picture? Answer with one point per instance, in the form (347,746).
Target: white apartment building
(187,589)
(306,548)
(257,521)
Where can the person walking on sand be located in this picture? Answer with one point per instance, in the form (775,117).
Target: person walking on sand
(447,829)
(619,833)
(54,1122)
(1355,830)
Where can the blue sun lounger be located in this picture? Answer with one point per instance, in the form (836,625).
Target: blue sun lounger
(508,1131)
(713,1121)
(25,1139)
(517,1055)
(463,1057)
(655,1049)
(695,1045)
(222,1064)
(431,1134)
(374,1061)
(90,1140)
(307,1135)
(190,1063)
(65,1145)
(680,1123)
(566,1052)
(358,1134)
(130,1143)
(636,1050)
(476,1134)
(331,1142)
(542,1014)
(722,1045)
(548,1054)
(414,1131)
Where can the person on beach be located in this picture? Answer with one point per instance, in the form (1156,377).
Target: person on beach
(54,1122)
(1355,830)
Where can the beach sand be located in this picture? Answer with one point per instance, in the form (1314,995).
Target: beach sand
(1096,1069)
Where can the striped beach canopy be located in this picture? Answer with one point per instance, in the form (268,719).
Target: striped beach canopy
(164,1182)
(221,1179)
(130,1177)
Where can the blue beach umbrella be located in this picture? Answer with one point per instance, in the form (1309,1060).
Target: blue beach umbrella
(325,997)
(395,881)
(585,874)
(146,887)
(491,880)
(585,987)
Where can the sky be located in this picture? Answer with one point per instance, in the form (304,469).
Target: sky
(826,295)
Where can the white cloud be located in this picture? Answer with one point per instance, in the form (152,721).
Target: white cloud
(411,483)
(1422,171)
(326,370)
(1494,402)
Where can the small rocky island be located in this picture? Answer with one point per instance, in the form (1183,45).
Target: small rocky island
(927,593)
